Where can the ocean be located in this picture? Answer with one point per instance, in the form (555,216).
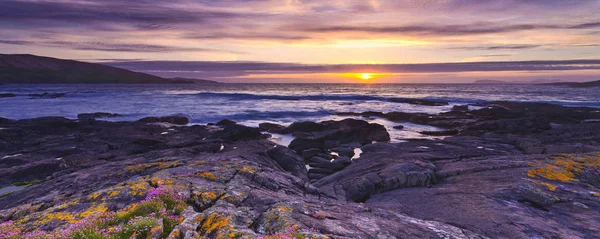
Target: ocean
(251,104)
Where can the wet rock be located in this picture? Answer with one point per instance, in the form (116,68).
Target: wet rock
(319,160)
(440,133)
(93,116)
(5,120)
(317,175)
(236,132)
(399,127)
(352,145)
(476,184)
(273,128)
(556,113)
(460,108)
(321,171)
(309,153)
(343,160)
(335,166)
(345,131)
(289,161)
(301,144)
(325,156)
(174,119)
(225,122)
(344,151)
(47,95)
(328,144)
(516,126)
(304,127)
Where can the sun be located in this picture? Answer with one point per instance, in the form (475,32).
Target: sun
(366,76)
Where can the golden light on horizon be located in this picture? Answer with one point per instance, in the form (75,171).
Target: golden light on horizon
(366,76)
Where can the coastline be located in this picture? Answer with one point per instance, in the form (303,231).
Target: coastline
(490,158)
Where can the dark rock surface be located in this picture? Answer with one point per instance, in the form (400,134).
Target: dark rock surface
(225,122)
(460,108)
(97,115)
(248,188)
(235,132)
(289,161)
(494,179)
(321,135)
(174,119)
(7,95)
(47,95)
(272,128)
(399,127)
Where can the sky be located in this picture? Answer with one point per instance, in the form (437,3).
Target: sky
(402,41)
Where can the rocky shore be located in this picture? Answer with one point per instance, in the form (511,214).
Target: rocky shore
(502,170)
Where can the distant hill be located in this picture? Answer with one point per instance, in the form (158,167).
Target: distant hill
(31,69)
(543,81)
(576,84)
(490,82)
(197,81)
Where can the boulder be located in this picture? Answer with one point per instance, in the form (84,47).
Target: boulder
(304,127)
(344,151)
(325,156)
(448,132)
(5,120)
(289,161)
(236,132)
(173,119)
(331,143)
(273,128)
(352,145)
(343,160)
(335,166)
(225,122)
(460,108)
(309,153)
(319,160)
(93,116)
(340,132)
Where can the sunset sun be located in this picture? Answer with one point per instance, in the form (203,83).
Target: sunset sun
(366,76)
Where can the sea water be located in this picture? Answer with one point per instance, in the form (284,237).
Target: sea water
(251,104)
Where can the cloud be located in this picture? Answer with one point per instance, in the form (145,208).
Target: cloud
(113,11)
(14,42)
(497,47)
(229,69)
(246,36)
(495,55)
(110,47)
(517,46)
(300,30)
(435,29)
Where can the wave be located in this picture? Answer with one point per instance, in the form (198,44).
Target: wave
(354,97)
(323,97)
(264,115)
